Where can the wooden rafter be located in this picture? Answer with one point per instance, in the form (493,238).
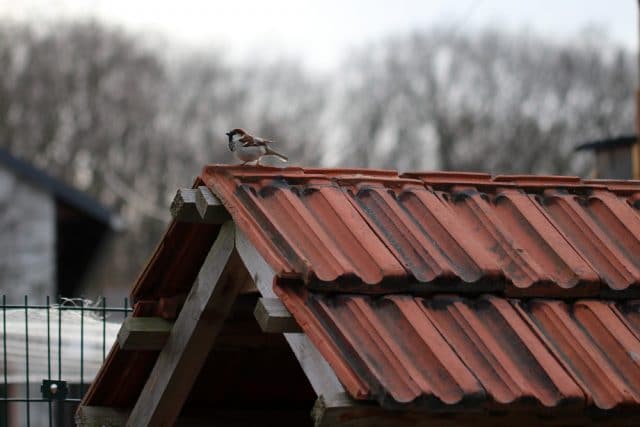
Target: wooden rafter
(198,205)
(321,376)
(273,316)
(192,336)
(144,333)
(210,208)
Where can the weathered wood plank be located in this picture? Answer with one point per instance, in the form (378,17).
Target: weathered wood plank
(198,205)
(261,272)
(192,335)
(183,208)
(144,333)
(99,416)
(341,410)
(210,208)
(321,376)
(273,316)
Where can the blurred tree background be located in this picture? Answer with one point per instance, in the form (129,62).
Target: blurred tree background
(121,118)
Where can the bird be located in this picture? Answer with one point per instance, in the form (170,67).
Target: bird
(249,148)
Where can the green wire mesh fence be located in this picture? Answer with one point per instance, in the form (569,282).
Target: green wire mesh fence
(50,354)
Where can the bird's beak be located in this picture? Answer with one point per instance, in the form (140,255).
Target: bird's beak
(228,133)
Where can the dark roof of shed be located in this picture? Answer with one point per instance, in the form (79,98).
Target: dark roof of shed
(608,143)
(60,190)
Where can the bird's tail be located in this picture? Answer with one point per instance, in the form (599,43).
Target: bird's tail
(270,152)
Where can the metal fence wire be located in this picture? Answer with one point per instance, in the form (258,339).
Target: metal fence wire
(50,354)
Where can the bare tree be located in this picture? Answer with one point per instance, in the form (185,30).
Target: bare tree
(487,101)
(103,111)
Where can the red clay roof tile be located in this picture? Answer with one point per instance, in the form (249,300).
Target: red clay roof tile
(489,351)
(379,232)
(594,345)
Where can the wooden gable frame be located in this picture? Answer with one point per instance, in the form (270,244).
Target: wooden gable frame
(185,343)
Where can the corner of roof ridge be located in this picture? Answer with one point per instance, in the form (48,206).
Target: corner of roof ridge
(446,179)
(213,168)
(542,180)
(353,172)
(448,175)
(238,169)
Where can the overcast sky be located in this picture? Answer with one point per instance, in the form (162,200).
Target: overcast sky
(321,31)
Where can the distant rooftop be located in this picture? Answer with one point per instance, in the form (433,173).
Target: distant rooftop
(602,144)
(60,190)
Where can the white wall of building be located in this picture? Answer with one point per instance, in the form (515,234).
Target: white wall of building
(27,240)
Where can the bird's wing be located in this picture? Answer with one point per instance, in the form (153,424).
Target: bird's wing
(262,141)
(249,141)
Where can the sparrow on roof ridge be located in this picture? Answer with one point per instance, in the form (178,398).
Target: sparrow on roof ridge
(248,148)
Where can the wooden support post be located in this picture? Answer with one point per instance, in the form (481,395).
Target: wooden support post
(192,335)
(273,316)
(210,208)
(99,416)
(144,333)
(321,376)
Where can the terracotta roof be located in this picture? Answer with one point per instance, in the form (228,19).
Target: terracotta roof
(443,291)
(491,352)
(380,232)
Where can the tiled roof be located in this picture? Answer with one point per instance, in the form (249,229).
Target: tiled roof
(491,352)
(412,286)
(444,291)
(380,232)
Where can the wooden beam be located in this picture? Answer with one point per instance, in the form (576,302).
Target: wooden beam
(99,416)
(342,410)
(321,376)
(198,205)
(211,210)
(183,208)
(261,272)
(192,336)
(273,316)
(329,410)
(144,333)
